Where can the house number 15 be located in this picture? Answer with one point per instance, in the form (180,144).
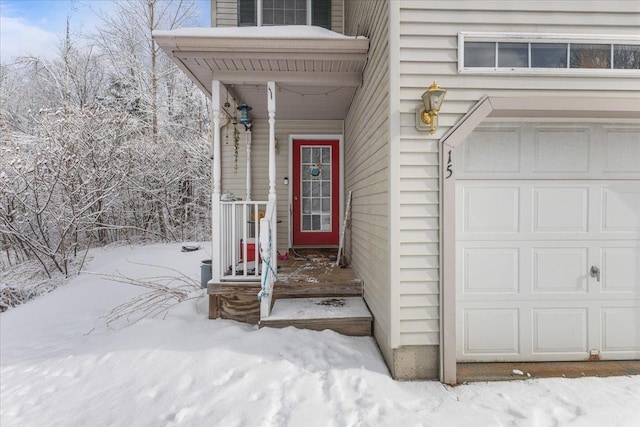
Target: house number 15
(449,167)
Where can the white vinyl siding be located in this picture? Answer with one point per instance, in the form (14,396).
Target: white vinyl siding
(367,163)
(429,51)
(226,14)
(235,181)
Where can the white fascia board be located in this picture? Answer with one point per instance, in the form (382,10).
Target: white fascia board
(184,41)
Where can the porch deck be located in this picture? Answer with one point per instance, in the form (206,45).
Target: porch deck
(313,277)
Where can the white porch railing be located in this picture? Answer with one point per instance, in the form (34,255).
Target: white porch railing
(239,232)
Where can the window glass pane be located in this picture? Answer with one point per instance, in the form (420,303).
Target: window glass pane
(315,206)
(326,205)
(306,172)
(479,54)
(316,156)
(590,56)
(321,13)
(315,222)
(626,57)
(247,12)
(326,155)
(306,189)
(278,16)
(513,55)
(315,189)
(548,55)
(306,222)
(326,189)
(326,222)
(306,155)
(267,17)
(284,12)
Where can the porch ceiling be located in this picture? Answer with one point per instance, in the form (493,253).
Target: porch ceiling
(316,70)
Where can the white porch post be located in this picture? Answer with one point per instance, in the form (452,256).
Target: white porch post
(271,94)
(271,106)
(248,135)
(216,174)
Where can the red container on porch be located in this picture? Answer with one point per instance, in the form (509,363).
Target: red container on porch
(251,250)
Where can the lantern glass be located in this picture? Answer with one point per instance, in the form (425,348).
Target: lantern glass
(244,114)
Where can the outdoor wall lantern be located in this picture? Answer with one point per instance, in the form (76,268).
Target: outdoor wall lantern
(244,115)
(428,113)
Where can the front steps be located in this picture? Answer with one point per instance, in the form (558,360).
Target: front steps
(325,296)
(345,315)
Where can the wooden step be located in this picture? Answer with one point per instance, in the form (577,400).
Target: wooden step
(345,315)
(299,289)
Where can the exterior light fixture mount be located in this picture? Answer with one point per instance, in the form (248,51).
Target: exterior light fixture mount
(427,114)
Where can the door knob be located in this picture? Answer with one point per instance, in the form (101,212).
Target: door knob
(595,272)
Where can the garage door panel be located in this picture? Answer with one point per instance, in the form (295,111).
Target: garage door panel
(504,327)
(561,150)
(622,151)
(621,270)
(491,209)
(621,209)
(559,330)
(560,269)
(491,270)
(493,149)
(559,209)
(620,330)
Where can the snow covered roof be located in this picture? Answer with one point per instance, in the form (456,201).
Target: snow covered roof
(287,32)
(295,55)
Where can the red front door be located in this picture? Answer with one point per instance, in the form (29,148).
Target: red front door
(316,192)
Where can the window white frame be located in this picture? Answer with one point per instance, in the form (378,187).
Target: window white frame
(569,39)
(259,12)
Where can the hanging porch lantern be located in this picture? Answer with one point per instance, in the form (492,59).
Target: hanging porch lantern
(244,115)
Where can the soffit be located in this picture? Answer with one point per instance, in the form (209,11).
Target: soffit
(316,71)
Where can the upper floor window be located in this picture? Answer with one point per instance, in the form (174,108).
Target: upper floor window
(546,53)
(284,12)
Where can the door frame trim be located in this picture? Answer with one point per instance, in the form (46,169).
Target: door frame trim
(320,137)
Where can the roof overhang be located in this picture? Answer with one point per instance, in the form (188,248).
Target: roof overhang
(304,61)
(533,107)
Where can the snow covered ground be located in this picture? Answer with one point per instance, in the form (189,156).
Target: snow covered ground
(62,366)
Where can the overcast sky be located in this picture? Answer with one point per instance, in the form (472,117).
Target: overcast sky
(37,27)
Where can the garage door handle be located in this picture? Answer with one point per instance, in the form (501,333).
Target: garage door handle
(595,272)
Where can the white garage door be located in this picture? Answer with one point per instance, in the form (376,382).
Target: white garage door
(548,243)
